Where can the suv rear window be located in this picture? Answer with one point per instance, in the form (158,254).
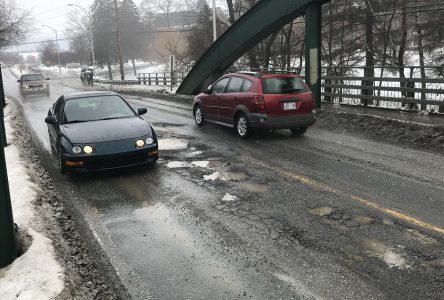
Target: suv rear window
(282,85)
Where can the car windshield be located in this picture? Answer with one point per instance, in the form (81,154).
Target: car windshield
(33,77)
(282,85)
(96,108)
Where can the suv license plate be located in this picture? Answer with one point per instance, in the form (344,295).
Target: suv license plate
(289,105)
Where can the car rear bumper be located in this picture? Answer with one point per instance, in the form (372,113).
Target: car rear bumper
(35,91)
(90,163)
(282,122)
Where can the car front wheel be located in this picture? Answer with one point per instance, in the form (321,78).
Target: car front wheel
(199,116)
(243,128)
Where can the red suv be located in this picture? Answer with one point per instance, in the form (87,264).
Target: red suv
(249,100)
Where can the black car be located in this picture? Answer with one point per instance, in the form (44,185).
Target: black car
(99,131)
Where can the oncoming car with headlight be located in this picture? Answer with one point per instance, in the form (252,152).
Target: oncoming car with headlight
(91,131)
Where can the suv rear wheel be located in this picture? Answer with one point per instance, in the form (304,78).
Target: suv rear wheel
(243,127)
(198,115)
(298,130)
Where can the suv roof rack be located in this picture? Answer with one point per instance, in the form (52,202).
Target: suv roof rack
(259,74)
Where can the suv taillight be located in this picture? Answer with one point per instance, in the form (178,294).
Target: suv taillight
(259,101)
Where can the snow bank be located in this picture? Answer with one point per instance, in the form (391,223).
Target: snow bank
(36,274)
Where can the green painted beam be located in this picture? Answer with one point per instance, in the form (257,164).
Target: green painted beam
(260,21)
(313,15)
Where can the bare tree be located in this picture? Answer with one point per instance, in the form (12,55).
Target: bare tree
(14,23)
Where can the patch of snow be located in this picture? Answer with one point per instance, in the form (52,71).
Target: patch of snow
(172,144)
(229,198)
(201,164)
(213,177)
(178,164)
(194,153)
(36,274)
(388,254)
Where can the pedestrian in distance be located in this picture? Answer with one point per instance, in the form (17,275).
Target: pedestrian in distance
(90,78)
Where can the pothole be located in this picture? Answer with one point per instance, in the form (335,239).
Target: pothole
(255,188)
(391,256)
(321,211)
(415,235)
(433,264)
(172,144)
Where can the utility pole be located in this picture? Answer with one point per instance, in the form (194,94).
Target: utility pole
(119,52)
(8,248)
(214,21)
(58,49)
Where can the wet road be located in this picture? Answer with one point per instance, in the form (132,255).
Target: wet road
(324,216)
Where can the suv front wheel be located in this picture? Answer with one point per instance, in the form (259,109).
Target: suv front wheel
(243,127)
(298,131)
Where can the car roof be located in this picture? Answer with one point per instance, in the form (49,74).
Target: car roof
(89,94)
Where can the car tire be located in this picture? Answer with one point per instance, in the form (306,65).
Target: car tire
(242,126)
(199,116)
(60,165)
(298,131)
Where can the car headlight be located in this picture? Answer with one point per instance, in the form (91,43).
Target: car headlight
(140,143)
(88,149)
(77,150)
(149,141)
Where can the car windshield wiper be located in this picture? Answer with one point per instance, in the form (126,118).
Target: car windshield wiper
(76,121)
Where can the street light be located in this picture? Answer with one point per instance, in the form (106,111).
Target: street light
(58,51)
(91,38)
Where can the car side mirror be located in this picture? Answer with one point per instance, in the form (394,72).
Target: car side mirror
(51,120)
(142,111)
(206,91)
(19,80)
(47,78)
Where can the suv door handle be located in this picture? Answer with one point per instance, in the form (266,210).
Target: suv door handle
(235,98)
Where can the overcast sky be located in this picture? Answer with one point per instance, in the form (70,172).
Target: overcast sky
(54,13)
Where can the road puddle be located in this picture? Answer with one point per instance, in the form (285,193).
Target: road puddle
(163,245)
(362,220)
(255,188)
(391,256)
(415,235)
(172,144)
(321,211)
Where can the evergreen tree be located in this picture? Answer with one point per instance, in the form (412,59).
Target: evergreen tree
(104,33)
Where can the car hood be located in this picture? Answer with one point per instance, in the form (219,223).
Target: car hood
(105,130)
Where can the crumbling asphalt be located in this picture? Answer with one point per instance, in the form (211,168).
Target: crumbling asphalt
(85,276)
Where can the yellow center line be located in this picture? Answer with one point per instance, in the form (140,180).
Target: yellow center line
(320,186)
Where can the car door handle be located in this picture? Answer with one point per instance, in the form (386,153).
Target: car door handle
(235,98)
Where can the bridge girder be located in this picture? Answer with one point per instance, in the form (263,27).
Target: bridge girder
(260,21)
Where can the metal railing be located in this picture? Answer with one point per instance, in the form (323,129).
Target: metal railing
(348,85)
